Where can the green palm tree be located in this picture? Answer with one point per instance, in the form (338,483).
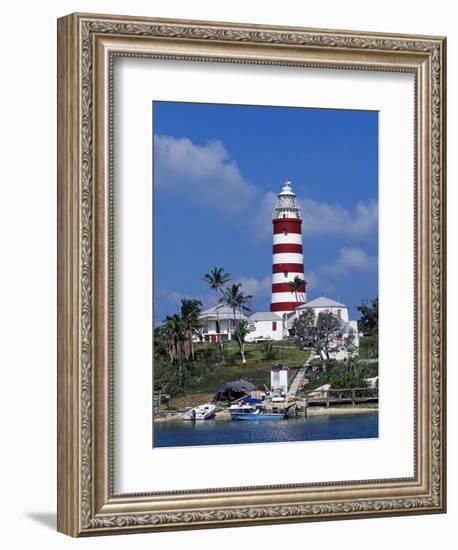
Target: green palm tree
(234,298)
(295,286)
(176,330)
(190,312)
(162,340)
(217,279)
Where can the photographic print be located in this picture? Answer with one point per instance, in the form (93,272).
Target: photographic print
(265,252)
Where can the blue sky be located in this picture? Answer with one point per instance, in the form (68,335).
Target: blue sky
(217,169)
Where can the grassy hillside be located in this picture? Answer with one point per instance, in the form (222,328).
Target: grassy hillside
(257,370)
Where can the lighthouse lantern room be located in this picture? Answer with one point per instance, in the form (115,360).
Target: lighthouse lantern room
(287,259)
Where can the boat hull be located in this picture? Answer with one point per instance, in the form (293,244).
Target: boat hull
(202,412)
(253,416)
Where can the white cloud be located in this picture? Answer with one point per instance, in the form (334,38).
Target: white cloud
(312,280)
(204,174)
(352,259)
(365,219)
(174,298)
(256,287)
(262,221)
(321,218)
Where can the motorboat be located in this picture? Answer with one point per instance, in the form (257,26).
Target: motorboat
(254,414)
(201,412)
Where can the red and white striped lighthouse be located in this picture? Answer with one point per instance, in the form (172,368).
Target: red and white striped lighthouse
(287,259)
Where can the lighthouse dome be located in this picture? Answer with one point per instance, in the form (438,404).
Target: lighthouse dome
(286,189)
(286,205)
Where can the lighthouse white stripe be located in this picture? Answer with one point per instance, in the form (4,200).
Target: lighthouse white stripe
(288,258)
(282,297)
(291,238)
(280,277)
(286,297)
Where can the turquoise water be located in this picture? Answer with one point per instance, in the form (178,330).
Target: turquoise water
(227,432)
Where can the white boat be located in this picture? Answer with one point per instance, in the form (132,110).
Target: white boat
(201,412)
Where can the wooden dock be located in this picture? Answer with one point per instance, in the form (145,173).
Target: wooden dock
(342,396)
(294,405)
(297,383)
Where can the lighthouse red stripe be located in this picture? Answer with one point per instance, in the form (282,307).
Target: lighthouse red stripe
(286,224)
(284,287)
(279,248)
(293,268)
(284,306)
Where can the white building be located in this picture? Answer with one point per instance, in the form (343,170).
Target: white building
(347,326)
(219,319)
(323,304)
(279,378)
(265,325)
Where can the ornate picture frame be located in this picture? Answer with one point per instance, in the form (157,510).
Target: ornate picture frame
(87,45)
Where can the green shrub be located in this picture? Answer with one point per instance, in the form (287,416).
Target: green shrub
(368,347)
(343,378)
(268,351)
(352,373)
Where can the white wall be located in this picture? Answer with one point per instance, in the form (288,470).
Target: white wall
(224,326)
(28,274)
(264,330)
(334,310)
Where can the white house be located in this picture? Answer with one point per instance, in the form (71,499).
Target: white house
(347,326)
(322,304)
(219,319)
(264,325)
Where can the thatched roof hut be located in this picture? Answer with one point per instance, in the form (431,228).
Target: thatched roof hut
(229,391)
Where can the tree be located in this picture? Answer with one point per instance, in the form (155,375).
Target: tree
(176,330)
(162,341)
(190,311)
(234,298)
(349,344)
(296,286)
(242,331)
(320,333)
(217,278)
(368,323)
(304,329)
(328,327)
